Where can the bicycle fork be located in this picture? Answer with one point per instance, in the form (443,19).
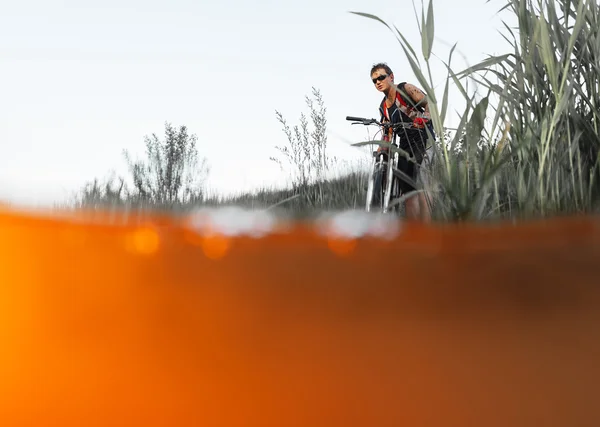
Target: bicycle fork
(378,162)
(389,187)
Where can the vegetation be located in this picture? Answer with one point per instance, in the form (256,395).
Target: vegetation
(534,153)
(171,176)
(528,146)
(306,153)
(164,180)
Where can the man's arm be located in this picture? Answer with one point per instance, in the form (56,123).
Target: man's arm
(418,97)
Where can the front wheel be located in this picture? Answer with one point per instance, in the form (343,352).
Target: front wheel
(375,190)
(395,193)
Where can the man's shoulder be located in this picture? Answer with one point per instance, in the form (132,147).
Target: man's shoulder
(400,87)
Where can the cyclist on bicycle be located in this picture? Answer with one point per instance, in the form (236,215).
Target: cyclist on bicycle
(406,103)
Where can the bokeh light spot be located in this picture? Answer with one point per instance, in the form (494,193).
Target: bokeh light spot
(341,246)
(215,246)
(145,241)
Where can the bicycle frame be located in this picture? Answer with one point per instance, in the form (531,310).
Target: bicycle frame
(380,165)
(382,170)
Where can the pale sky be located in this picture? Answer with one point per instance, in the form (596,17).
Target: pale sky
(82,80)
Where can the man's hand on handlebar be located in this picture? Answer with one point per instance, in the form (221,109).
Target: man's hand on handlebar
(420,123)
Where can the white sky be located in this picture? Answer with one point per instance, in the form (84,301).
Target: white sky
(80,81)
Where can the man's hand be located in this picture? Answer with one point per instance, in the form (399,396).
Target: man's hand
(382,150)
(419,123)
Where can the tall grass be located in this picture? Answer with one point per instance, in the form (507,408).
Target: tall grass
(534,152)
(344,192)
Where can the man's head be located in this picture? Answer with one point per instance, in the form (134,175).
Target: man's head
(382,76)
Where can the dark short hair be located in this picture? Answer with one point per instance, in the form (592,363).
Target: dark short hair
(383,65)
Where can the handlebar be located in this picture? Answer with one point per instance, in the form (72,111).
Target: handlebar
(360,119)
(386,125)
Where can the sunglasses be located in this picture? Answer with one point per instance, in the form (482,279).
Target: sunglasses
(380,78)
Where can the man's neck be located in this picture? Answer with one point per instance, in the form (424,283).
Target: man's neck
(391,93)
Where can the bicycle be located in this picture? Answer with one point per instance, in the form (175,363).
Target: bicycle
(383,178)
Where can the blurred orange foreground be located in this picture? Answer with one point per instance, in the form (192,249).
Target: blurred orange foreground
(149,322)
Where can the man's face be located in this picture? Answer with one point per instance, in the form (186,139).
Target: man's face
(382,80)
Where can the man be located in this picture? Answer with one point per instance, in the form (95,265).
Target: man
(406,103)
